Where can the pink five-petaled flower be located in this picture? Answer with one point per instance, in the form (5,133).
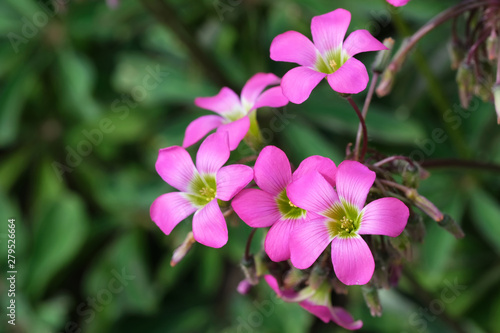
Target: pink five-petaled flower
(232,111)
(317,302)
(270,206)
(343,219)
(330,56)
(398,3)
(200,187)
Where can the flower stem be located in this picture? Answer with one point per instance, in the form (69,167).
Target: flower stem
(254,136)
(249,242)
(393,158)
(363,127)
(368,100)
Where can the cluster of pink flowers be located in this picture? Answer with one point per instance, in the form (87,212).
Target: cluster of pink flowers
(306,210)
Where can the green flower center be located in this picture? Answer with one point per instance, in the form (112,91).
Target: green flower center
(344,221)
(331,61)
(203,189)
(287,208)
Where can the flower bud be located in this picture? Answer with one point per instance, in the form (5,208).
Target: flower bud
(293,278)
(492,45)
(402,245)
(248,267)
(415,227)
(370,294)
(387,80)
(383,57)
(466,83)
(425,205)
(457,53)
(318,275)
(182,250)
(496,96)
(244,287)
(451,226)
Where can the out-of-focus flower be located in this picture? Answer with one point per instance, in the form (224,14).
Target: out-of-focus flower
(233,111)
(200,187)
(270,205)
(330,56)
(317,302)
(344,218)
(398,3)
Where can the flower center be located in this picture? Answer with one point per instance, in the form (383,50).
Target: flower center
(203,189)
(287,208)
(208,193)
(331,61)
(347,224)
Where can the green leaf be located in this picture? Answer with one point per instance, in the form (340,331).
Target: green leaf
(486,215)
(59,235)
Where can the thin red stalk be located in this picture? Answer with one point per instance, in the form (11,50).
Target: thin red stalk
(364,112)
(363,126)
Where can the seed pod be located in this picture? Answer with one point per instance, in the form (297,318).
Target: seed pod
(372,300)
(451,226)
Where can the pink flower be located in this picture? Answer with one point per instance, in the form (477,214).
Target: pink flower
(233,111)
(330,56)
(317,302)
(398,3)
(200,187)
(270,205)
(343,219)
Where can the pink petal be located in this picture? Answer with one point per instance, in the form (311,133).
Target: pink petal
(313,193)
(255,85)
(308,241)
(236,130)
(398,3)
(176,167)
(169,209)
(299,82)
(272,170)
(277,240)
(292,46)
(328,30)
(354,181)
(213,153)
(386,216)
(323,165)
(199,128)
(271,97)
(225,102)
(343,318)
(320,311)
(350,78)
(232,179)
(209,226)
(256,208)
(352,260)
(362,41)
(244,287)
(286,295)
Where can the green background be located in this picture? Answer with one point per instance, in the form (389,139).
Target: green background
(76,228)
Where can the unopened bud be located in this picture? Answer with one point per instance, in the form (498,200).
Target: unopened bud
(425,205)
(451,226)
(248,267)
(293,278)
(244,287)
(370,294)
(457,53)
(402,245)
(492,45)
(387,80)
(496,96)
(395,271)
(318,275)
(383,57)
(466,83)
(411,176)
(182,250)
(415,227)
(338,286)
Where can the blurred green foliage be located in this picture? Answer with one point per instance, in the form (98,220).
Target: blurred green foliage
(81,124)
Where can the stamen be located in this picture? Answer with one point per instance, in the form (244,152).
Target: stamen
(346,224)
(208,193)
(333,64)
(291,204)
